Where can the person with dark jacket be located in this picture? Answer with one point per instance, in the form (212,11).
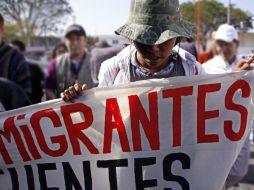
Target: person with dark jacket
(12,96)
(12,63)
(37,74)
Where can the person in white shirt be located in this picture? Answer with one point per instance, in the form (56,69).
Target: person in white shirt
(226,61)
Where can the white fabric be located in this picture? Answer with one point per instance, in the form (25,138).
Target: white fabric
(218,65)
(240,168)
(117,120)
(116,70)
(226,33)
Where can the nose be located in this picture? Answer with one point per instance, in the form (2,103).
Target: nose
(153,50)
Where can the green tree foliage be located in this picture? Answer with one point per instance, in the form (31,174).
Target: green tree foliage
(11,32)
(214,13)
(35,17)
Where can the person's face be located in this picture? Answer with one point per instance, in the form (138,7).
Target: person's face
(154,57)
(227,50)
(75,44)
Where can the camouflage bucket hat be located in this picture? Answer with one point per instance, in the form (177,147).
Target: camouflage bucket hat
(153,22)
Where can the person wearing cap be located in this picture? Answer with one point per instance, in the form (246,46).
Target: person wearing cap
(69,67)
(154,28)
(227,61)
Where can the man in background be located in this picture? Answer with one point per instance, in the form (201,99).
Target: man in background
(12,64)
(70,67)
(226,61)
(37,74)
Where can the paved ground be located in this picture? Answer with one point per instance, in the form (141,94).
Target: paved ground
(248,182)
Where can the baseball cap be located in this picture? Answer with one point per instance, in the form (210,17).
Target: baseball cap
(75,28)
(226,33)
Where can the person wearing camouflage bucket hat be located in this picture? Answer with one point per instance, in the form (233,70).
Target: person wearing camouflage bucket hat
(153,22)
(153,29)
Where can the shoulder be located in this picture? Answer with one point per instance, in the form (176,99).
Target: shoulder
(118,61)
(115,66)
(211,61)
(190,64)
(212,64)
(34,67)
(62,58)
(15,54)
(10,92)
(185,55)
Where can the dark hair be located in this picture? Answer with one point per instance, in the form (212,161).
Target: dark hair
(21,45)
(56,47)
(1,19)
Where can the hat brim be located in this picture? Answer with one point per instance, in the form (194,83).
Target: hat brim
(224,39)
(154,35)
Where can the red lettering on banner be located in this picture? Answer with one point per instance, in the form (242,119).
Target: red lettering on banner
(75,129)
(138,115)
(176,95)
(29,138)
(230,105)
(203,115)
(113,111)
(8,130)
(60,139)
(30,142)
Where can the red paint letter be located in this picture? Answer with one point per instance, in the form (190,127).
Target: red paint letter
(75,129)
(203,115)
(8,130)
(29,138)
(176,95)
(229,104)
(60,139)
(138,115)
(113,111)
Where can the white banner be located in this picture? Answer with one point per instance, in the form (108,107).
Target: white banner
(177,133)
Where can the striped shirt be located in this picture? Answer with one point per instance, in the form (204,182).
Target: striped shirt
(14,67)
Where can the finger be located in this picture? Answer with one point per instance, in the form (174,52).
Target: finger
(84,87)
(73,92)
(78,88)
(251,59)
(245,66)
(242,62)
(63,96)
(68,95)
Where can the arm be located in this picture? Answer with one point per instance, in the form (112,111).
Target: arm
(244,64)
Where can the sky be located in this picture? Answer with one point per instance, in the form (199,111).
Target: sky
(104,16)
